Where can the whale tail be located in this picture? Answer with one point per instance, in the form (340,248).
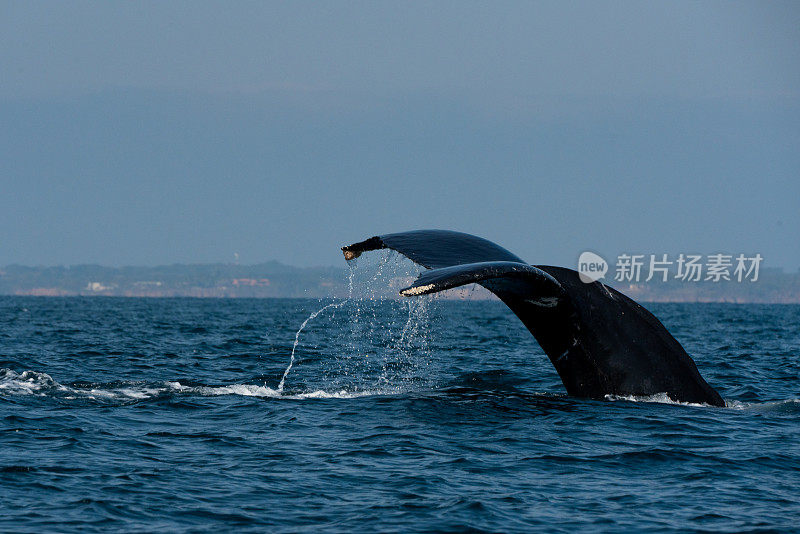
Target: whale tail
(600,341)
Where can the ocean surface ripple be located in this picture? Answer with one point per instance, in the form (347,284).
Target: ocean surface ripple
(412,415)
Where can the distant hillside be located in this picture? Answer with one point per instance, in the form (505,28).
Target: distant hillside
(270,279)
(273,279)
(772,286)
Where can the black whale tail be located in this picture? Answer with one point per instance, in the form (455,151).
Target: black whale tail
(600,341)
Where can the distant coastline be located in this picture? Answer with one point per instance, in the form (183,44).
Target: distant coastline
(265,280)
(276,280)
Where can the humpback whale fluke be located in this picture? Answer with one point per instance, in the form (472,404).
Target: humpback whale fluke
(600,341)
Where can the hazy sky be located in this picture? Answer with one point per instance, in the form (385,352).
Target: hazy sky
(153,133)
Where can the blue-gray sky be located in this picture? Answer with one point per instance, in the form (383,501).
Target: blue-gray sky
(153,133)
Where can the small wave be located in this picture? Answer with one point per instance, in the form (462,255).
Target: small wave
(34,383)
(251,390)
(660,398)
(788,407)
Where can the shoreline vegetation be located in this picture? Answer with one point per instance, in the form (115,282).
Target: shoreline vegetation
(276,280)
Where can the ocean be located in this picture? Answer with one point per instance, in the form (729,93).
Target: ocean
(423,415)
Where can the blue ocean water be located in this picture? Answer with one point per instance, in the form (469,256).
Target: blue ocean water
(397,415)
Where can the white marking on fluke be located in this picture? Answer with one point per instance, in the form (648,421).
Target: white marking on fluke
(411,291)
(544,302)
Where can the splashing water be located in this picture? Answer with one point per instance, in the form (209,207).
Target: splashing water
(311,318)
(384,338)
(297,338)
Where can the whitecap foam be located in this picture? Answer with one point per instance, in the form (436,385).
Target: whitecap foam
(659,398)
(251,390)
(25,383)
(789,405)
(42,384)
